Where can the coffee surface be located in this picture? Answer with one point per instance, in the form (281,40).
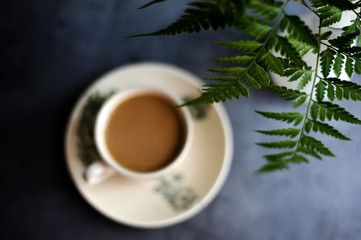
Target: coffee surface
(144,134)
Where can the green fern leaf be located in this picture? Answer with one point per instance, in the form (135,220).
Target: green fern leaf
(298,29)
(250,81)
(345,89)
(281,144)
(272,63)
(301,47)
(320,90)
(300,101)
(308,126)
(285,93)
(327,129)
(330,15)
(288,117)
(349,66)
(353,28)
(326,35)
(339,60)
(314,144)
(344,41)
(338,113)
(280,44)
(290,132)
(271,167)
(305,80)
(296,76)
(254,28)
(309,151)
(237,59)
(358,67)
(327,58)
(249,46)
(296,158)
(228,71)
(277,157)
(331,92)
(314,111)
(260,74)
(263,10)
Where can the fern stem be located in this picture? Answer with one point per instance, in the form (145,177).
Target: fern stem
(312,89)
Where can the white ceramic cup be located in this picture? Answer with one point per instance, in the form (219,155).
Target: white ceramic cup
(101,126)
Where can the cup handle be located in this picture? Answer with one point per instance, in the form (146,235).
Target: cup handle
(97,172)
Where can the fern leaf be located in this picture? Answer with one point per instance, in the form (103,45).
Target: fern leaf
(353,28)
(301,47)
(280,44)
(254,28)
(331,92)
(329,14)
(296,76)
(277,157)
(285,93)
(327,58)
(327,129)
(244,59)
(271,167)
(314,144)
(296,158)
(260,74)
(300,101)
(298,29)
(249,46)
(358,67)
(344,89)
(272,63)
(349,67)
(314,111)
(288,117)
(281,144)
(250,81)
(228,71)
(309,151)
(305,80)
(320,90)
(263,10)
(339,60)
(338,113)
(290,132)
(344,41)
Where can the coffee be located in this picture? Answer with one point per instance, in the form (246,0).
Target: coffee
(144,134)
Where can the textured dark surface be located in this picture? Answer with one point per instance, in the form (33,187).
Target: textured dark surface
(52,50)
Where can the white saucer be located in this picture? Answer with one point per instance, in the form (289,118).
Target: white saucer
(173,198)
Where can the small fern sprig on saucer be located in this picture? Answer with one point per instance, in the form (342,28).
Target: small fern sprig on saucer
(278,43)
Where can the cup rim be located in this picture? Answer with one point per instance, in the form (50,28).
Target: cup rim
(103,118)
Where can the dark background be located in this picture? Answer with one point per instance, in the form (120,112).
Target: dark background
(52,50)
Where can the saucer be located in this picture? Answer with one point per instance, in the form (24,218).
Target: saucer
(163,201)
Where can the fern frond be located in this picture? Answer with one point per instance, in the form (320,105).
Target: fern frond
(288,117)
(327,57)
(349,66)
(280,44)
(290,132)
(327,129)
(305,80)
(329,15)
(338,113)
(272,63)
(300,101)
(301,47)
(271,167)
(253,27)
(337,66)
(344,41)
(277,157)
(320,90)
(260,74)
(285,93)
(344,89)
(228,71)
(298,30)
(314,144)
(264,11)
(244,59)
(281,144)
(248,46)
(309,151)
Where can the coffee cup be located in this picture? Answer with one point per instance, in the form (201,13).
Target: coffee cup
(139,134)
